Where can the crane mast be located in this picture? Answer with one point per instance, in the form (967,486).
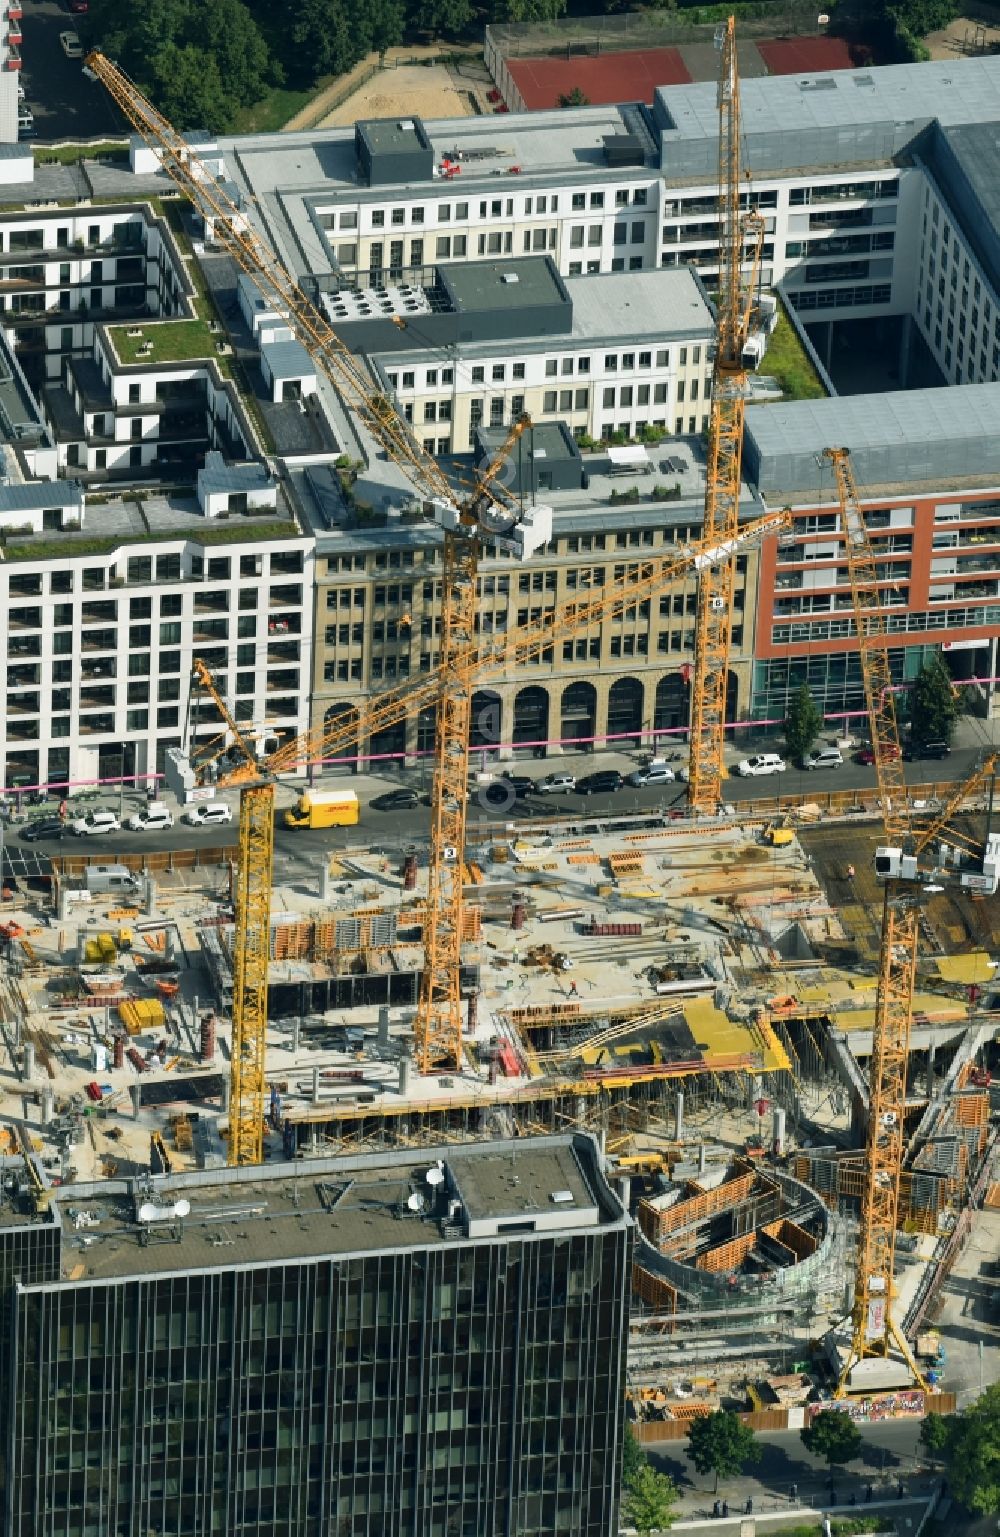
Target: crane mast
(874,1329)
(740,235)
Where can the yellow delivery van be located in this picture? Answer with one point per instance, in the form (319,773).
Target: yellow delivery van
(324,808)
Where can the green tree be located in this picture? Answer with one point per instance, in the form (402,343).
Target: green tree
(649,1501)
(379,25)
(529,10)
(972,1453)
(577,97)
(920,16)
(803,723)
(832,1435)
(933,705)
(722,1444)
(633,1457)
(934,1435)
(442,18)
(324,39)
(187,88)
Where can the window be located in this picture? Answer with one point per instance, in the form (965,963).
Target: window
(565,400)
(576,237)
(549,401)
(581,400)
(620,233)
(378,218)
(498,373)
(442,248)
(594,235)
(610,362)
(578,201)
(398,215)
(517,371)
(638,231)
(597,200)
(478,374)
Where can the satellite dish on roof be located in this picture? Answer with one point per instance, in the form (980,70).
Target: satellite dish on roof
(435,1177)
(415,1201)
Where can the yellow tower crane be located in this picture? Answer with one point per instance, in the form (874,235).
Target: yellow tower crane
(874,1328)
(473,661)
(740,246)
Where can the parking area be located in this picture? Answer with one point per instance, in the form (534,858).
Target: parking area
(65,104)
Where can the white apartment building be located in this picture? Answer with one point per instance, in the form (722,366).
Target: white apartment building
(638,355)
(99,645)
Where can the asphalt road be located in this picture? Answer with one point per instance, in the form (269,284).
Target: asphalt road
(394,829)
(889,1453)
(66,105)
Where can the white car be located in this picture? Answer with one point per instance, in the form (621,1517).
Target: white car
(155,818)
(71,45)
(654,774)
(555,784)
(95,822)
(761,763)
(205,815)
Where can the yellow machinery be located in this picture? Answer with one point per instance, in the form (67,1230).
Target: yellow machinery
(487,513)
(740,244)
(874,1329)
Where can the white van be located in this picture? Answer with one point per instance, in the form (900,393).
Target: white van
(761,763)
(823,758)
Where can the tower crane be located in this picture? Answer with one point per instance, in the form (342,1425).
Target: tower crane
(489,513)
(741,242)
(900,864)
(472,661)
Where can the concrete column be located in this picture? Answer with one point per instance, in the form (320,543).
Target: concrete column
(702,1158)
(315,1086)
(679,1116)
(48,1106)
(405,1073)
(224,1098)
(296,1032)
(383,1025)
(29,1060)
(134,1096)
(149,896)
(625,1189)
(326,883)
(778,1132)
(930,1071)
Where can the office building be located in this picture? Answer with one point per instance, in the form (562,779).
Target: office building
(430,1346)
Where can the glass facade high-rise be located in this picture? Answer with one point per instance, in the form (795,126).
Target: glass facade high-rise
(344,1346)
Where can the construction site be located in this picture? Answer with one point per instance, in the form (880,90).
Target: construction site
(700,998)
(781,1031)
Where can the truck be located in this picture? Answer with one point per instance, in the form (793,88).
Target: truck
(324,808)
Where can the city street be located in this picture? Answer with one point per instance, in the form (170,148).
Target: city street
(890,1453)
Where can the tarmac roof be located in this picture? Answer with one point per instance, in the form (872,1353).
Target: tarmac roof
(652,304)
(906,436)
(507,284)
(326,1207)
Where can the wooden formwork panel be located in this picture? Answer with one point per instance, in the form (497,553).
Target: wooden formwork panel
(659,1224)
(972,1110)
(793,1237)
(655,1292)
(728,1256)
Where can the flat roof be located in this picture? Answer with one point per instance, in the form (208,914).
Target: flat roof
(952,90)
(390,135)
(513,283)
(326,1207)
(659,303)
(906,436)
(547,440)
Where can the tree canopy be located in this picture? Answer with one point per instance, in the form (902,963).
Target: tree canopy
(803,723)
(649,1501)
(933,705)
(722,1444)
(833,1436)
(969,1445)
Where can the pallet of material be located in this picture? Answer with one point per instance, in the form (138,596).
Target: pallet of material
(595,930)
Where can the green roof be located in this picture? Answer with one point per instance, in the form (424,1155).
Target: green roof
(173,341)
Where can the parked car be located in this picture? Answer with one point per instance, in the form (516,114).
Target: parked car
(521,784)
(71,45)
(396,800)
(79,7)
(206,813)
(823,758)
(43,827)
(555,784)
(155,818)
(936,747)
(761,763)
(605,782)
(867,754)
(652,774)
(94,823)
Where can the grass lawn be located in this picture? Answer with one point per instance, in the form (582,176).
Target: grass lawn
(786,361)
(72,154)
(274,110)
(174,341)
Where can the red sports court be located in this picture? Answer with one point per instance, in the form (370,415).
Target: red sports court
(605,78)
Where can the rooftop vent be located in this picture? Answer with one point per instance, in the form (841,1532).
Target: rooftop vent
(561,1197)
(509,277)
(867,80)
(827,83)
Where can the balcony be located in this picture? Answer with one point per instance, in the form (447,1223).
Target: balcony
(14,38)
(13,59)
(104,669)
(97,699)
(99,640)
(97,725)
(22,704)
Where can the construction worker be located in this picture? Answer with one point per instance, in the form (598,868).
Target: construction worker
(850,872)
(63,810)
(574,991)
